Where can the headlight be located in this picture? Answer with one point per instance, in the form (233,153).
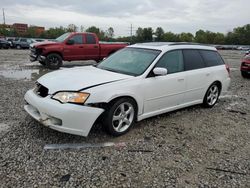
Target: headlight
(71,97)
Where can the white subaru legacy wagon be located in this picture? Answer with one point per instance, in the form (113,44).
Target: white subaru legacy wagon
(137,82)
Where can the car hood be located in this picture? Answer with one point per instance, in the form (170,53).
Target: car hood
(75,79)
(45,43)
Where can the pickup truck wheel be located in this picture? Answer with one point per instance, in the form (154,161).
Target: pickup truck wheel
(18,47)
(53,61)
(120,116)
(245,75)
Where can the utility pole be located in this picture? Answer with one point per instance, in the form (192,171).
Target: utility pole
(3,17)
(131,33)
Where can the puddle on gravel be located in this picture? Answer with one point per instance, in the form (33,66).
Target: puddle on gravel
(27,74)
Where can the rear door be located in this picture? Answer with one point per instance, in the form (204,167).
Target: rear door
(197,75)
(91,47)
(164,92)
(74,51)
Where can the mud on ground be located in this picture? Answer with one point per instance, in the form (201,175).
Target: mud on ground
(193,147)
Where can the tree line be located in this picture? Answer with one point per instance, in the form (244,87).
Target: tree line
(239,35)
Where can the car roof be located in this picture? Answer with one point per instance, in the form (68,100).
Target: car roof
(166,46)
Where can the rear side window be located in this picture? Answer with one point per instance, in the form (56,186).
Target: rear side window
(172,61)
(90,39)
(78,39)
(193,60)
(211,58)
(23,40)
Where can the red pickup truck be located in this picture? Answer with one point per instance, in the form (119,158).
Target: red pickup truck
(71,47)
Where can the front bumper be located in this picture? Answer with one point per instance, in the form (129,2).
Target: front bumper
(34,57)
(68,118)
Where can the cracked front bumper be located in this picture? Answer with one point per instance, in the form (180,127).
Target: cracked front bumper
(68,118)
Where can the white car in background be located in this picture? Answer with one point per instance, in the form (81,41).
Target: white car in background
(137,82)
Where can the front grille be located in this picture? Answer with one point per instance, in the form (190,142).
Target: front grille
(41,90)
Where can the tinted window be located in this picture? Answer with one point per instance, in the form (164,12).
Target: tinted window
(23,40)
(90,39)
(211,58)
(193,60)
(77,39)
(172,61)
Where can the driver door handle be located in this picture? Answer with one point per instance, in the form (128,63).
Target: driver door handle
(180,79)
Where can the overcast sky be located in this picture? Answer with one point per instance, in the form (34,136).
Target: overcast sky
(172,15)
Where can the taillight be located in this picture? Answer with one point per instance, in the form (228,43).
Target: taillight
(228,69)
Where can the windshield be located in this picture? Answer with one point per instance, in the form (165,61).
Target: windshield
(62,37)
(131,61)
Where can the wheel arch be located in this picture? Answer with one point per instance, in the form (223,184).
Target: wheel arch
(219,85)
(115,98)
(54,52)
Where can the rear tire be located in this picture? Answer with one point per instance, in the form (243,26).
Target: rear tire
(53,61)
(211,96)
(120,116)
(18,47)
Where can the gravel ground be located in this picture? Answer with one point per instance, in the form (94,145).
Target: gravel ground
(193,147)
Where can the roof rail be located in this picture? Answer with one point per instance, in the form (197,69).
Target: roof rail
(187,43)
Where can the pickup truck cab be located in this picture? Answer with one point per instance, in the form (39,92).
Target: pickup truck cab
(71,47)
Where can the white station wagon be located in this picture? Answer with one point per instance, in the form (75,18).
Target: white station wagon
(137,82)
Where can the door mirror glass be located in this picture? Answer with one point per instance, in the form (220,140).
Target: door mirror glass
(70,42)
(158,71)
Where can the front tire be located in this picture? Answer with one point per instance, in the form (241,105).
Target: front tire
(18,47)
(244,74)
(53,61)
(212,96)
(120,117)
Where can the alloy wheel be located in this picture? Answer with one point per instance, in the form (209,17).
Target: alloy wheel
(123,117)
(212,95)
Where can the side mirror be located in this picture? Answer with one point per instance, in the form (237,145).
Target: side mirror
(158,71)
(70,42)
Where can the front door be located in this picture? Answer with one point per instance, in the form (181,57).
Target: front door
(74,51)
(165,92)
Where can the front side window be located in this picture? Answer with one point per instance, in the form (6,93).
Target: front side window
(130,61)
(78,39)
(212,58)
(172,61)
(193,60)
(23,40)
